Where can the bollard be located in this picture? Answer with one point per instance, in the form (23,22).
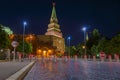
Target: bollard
(94,58)
(19,57)
(88,57)
(30,57)
(75,57)
(85,57)
(102,56)
(66,58)
(62,58)
(55,59)
(81,57)
(117,58)
(102,59)
(110,58)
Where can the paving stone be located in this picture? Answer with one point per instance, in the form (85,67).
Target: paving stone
(74,70)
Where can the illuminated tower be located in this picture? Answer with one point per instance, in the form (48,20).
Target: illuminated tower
(53,26)
(55,32)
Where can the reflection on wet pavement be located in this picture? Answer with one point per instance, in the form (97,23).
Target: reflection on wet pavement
(74,70)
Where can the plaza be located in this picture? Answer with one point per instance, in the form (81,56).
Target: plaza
(80,44)
(74,70)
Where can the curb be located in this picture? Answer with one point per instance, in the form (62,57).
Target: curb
(21,73)
(4,60)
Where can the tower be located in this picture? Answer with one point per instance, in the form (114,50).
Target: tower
(53,26)
(54,31)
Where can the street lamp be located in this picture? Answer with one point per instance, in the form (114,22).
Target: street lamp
(69,43)
(84,29)
(24,24)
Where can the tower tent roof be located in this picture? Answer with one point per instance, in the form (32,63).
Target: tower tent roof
(53,15)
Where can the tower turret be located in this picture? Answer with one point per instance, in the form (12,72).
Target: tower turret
(53,26)
(53,18)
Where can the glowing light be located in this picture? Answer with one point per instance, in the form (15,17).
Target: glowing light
(49,51)
(84,28)
(39,51)
(11,36)
(98,55)
(31,36)
(44,53)
(24,23)
(69,37)
(83,47)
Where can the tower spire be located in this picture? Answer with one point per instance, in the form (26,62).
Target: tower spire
(53,15)
(53,26)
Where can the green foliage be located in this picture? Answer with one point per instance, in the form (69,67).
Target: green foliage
(115,42)
(105,45)
(94,38)
(4,39)
(66,49)
(27,47)
(7,29)
(71,50)
(96,43)
(94,50)
(58,55)
(80,49)
(110,46)
(2,56)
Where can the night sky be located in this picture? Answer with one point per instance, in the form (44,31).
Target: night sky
(72,15)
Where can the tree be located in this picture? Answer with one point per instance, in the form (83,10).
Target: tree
(4,39)
(105,45)
(73,51)
(7,29)
(27,47)
(94,50)
(80,50)
(66,50)
(115,42)
(93,40)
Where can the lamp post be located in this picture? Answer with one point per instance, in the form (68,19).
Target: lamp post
(24,24)
(84,29)
(69,43)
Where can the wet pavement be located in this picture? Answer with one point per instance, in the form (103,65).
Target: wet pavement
(74,70)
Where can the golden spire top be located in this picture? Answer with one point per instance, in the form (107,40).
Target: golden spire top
(53,15)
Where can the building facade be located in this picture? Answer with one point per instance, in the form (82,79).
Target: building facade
(51,43)
(53,39)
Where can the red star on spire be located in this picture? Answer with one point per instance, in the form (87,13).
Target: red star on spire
(53,3)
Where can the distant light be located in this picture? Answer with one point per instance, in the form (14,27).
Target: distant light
(98,55)
(24,23)
(83,47)
(69,37)
(84,28)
